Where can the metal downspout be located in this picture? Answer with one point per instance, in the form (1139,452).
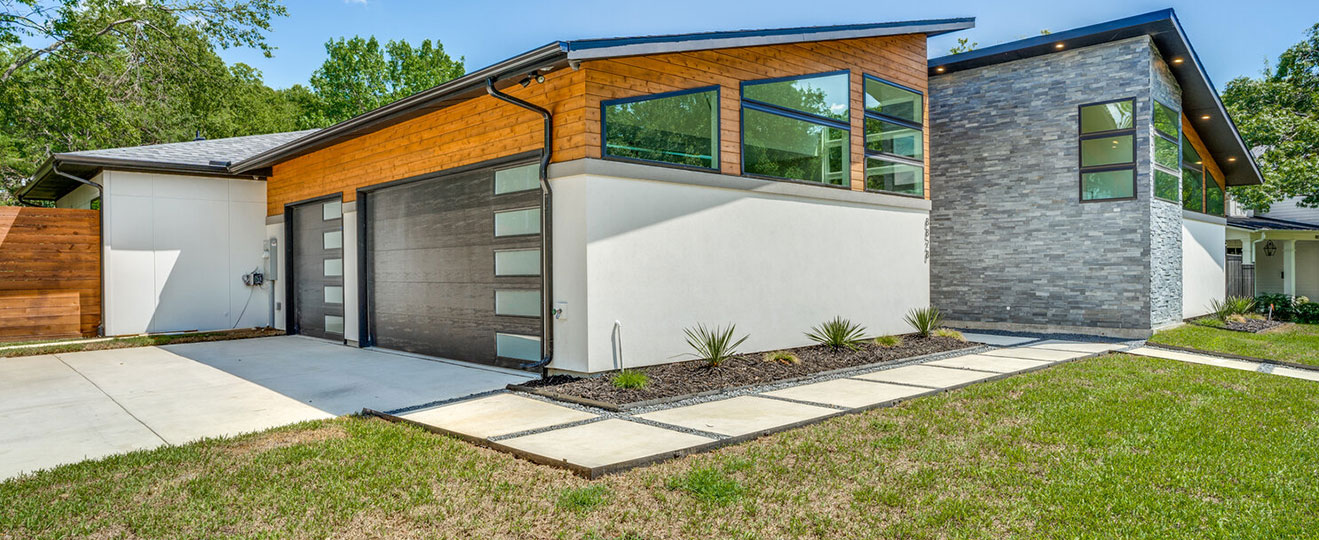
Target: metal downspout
(100,236)
(546,243)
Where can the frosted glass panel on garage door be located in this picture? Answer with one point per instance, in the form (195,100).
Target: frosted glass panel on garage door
(522,178)
(517,222)
(519,262)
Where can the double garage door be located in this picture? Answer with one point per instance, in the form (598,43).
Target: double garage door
(452,266)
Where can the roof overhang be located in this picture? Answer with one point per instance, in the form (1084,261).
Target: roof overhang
(590,49)
(47,185)
(1199,99)
(564,53)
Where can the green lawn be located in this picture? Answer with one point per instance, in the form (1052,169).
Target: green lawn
(1113,447)
(1298,343)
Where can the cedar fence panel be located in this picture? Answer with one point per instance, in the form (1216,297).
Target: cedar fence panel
(50,281)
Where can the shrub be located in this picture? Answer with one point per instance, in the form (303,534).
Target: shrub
(582,499)
(714,345)
(837,333)
(628,379)
(1307,313)
(1232,305)
(1284,307)
(783,357)
(925,320)
(949,333)
(888,341)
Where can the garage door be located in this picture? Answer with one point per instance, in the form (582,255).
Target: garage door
(318,269)
(454,266)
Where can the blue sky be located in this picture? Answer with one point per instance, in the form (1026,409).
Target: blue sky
(1233,38)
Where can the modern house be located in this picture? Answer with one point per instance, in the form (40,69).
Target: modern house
(577,206)
(1079,181)
(1275,252)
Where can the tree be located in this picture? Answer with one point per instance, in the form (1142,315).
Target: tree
(77,28)
(359,75)
(1278,116)
(147,86)
(963,45)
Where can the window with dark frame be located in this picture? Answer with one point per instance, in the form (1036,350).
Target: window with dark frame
(798,128)
(1193,181)
(675,128)
(894,137)
(1167,153)
(1107,144)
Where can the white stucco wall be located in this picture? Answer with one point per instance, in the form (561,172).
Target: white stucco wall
(175,250)
(661,256)
(1203,259)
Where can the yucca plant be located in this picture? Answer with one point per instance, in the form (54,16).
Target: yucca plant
(837,333)
(924,320)
(1232,305)
(714,345)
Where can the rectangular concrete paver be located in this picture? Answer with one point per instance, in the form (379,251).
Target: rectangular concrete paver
(1028,353)
(997,340)
(1309,375)
(849,393)
(1076,346)
(996,364)
(1196,358)
(604,443)
(500,414)
(931,376)
(738,416)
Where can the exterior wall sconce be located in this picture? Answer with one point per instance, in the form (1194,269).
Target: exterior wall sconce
(1269,248)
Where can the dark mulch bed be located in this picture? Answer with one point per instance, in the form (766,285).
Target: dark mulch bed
(1253,326)
(693,377)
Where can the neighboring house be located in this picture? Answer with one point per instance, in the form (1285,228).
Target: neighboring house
(1276,252)
(1079,181)
(582,203)
(178,230)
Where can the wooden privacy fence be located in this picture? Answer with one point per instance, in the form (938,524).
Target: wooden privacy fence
(50,273)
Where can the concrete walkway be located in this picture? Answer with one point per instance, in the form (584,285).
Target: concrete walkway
(1243,365)
(593,442)
(64,408)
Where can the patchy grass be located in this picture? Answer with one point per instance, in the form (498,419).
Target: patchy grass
(1297,343)
(1116,447)
(139,341)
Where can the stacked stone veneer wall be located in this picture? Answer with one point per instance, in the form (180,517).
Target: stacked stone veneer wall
(1012,244)
(1165,216)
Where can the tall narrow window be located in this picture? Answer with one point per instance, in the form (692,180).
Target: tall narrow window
(1108,150)
(679,128)
(1193,178)
(1214,200)
(1167,149)
(895,138)
(797,128)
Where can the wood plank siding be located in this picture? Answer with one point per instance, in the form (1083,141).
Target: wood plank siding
(485,128)
(50,273)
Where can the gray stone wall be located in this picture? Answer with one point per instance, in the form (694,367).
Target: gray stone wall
(1165,216)
(1011,242)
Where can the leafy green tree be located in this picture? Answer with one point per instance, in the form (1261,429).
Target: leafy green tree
(1278,116)
(359,75)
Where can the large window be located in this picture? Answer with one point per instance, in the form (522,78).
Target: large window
(679,128)
(1167,159)
(1108,150)
(1214,201)
(797,128)
(1192,177)
(895,138)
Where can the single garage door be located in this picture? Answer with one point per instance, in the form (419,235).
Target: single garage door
(317,287)
(454,266)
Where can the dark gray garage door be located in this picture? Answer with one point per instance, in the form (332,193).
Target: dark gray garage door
(454,266)
(317,245)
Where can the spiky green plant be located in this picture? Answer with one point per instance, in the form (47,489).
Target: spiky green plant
(837,333)
(1232,305)
(714,345)
(628,379)
(888,341)
(924,320)
(782,357)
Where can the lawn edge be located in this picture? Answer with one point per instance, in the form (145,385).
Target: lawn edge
(1285,363)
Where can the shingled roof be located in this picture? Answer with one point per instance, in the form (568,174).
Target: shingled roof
(206,156)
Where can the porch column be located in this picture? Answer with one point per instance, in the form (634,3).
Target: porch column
(1289,267)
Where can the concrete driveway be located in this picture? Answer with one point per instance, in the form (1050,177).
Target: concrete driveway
(64,408)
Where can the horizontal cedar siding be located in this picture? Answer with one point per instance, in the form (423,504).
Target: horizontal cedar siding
(50,273)
(485,128)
